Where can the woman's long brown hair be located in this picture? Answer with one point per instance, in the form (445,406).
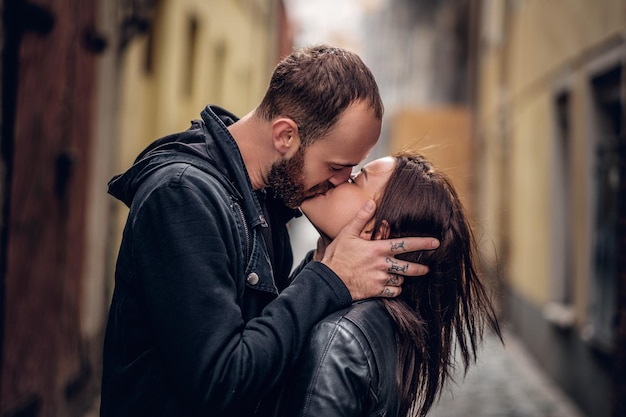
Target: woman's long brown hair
(450,304)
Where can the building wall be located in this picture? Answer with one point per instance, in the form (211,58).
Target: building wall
(417,50)
(80,98)
(46,149)
(196,53)
(442,134)
(539,125)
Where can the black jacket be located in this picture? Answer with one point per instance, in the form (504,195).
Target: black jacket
(196,325)
(347,368)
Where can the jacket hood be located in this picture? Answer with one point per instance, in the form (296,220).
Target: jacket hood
(190,145)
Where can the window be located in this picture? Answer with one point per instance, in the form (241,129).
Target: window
(560,310)
(607,154)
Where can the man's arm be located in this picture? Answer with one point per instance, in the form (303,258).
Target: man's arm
(184,255)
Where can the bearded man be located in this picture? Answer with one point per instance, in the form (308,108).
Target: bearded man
(204,318)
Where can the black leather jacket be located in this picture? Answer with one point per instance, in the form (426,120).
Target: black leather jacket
(196,326)
(348,367)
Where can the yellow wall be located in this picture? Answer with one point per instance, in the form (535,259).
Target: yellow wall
(547,35)
(529,210)
(442,135)
(528,49)
(234,52)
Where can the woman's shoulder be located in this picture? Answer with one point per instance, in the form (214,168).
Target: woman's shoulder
(366,322)
(365,315)
(358,312)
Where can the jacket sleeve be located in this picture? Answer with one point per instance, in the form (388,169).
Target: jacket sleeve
(183,252)
(333,375)
(307,259)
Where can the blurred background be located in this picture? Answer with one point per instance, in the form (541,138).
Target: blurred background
(519,101)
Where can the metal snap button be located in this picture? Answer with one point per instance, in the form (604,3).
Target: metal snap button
(253,278)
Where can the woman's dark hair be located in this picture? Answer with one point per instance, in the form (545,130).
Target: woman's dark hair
(314,85)
(448,305)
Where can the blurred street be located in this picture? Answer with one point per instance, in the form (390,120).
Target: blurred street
(506,382)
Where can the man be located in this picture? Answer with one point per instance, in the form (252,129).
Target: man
(197,325)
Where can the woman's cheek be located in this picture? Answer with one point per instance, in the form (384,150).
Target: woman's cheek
(344,214)
(331,214)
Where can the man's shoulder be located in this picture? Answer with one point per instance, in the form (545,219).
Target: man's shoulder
(181,182)
(188,171)
(369,322)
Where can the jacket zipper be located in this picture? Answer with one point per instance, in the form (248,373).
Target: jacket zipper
(246,232)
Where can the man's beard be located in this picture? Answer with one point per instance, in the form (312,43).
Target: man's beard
(286,179)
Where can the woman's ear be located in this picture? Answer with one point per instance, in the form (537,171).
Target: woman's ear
(383,231)
(285,136)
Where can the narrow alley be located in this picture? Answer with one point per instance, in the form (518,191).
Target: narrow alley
(506,382)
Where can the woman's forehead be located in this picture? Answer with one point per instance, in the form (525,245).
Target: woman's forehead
(381,165)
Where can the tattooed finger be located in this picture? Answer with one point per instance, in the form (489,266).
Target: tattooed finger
(397,246)
(387,292)
(393,280)
(394,267)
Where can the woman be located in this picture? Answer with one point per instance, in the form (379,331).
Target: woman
(392,356)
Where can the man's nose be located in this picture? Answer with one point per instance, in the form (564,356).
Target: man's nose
(341,176)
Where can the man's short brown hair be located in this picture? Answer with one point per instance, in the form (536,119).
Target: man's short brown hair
(314,85)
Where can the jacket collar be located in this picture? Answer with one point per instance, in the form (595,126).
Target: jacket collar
(221,144)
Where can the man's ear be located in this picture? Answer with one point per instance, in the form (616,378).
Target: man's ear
(383,231)
(285,136)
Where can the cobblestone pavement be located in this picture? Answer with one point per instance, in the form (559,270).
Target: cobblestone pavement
(506,382)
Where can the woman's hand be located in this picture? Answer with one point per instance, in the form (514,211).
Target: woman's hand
(369,268)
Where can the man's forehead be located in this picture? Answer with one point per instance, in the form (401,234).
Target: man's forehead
(341,154)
